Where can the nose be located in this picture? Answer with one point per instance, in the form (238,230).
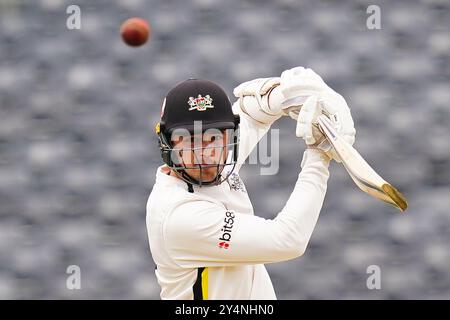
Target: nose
(206,155)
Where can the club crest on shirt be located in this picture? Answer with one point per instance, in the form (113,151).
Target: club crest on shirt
(236,183)
(200,103)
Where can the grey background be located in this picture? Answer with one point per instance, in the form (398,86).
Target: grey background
(78,152)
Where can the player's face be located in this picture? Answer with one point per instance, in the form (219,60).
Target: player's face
(206,150)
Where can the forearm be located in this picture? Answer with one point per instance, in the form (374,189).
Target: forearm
(300,214)
(252,106)
(250,133)
(194,230)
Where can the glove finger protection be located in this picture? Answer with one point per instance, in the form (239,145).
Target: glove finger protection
(306,121)
(253,99)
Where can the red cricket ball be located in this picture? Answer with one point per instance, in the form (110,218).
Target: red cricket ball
(135,31)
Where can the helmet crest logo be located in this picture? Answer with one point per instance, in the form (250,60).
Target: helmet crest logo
(200,103)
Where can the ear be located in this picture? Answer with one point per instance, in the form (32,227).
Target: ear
(165,149)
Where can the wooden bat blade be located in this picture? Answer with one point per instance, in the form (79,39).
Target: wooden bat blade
(359,170)
(396,196)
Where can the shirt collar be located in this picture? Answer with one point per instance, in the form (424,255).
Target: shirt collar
(164,178)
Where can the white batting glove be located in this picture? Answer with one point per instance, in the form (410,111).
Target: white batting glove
(253,99)
(306,120)
(267,99)
(296,85)
(278,96)
(335,108)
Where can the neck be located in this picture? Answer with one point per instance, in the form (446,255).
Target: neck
(168,171)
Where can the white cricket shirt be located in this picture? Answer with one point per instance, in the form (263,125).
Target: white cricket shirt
(209,244)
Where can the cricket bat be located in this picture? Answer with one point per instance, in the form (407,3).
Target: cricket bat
(359,170)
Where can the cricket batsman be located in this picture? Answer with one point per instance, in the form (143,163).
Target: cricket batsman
(205,239)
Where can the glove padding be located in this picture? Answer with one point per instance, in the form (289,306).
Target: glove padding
(287,93)
(253,100)
(267,99)
(296,85)
(339,114)
(306,119)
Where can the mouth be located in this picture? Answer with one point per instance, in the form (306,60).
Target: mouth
(208,162)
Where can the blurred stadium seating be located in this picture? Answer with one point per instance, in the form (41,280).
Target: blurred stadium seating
(78,153)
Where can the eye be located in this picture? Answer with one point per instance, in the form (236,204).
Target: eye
(176,139)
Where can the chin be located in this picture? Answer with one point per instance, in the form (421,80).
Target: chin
(208,175)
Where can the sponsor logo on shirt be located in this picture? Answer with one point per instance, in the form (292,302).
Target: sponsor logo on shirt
(227,229)
(223,245)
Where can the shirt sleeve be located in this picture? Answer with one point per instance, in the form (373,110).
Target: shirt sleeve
(250,133)
(202,233)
